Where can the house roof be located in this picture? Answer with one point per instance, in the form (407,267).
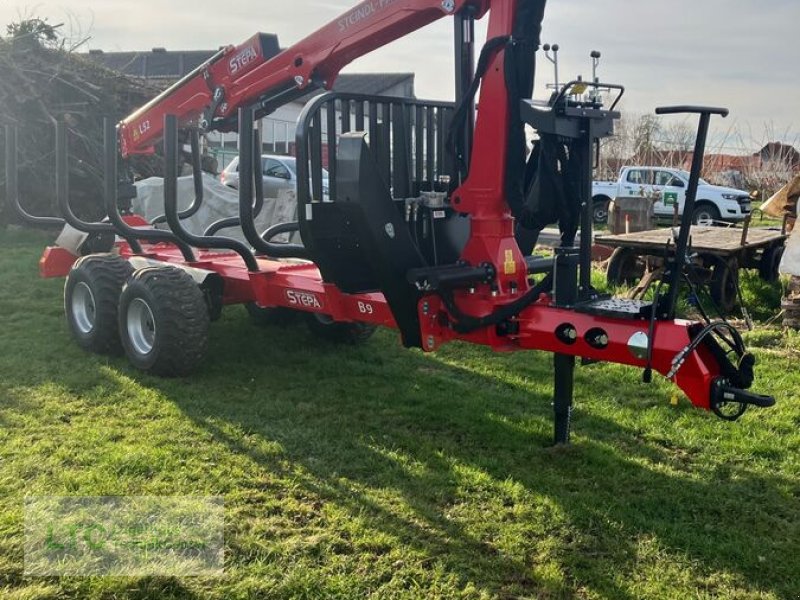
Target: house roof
(368,84)
(731,162)
(156,64)
(167,65)
(780,152)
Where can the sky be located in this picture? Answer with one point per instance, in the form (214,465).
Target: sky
(741,54)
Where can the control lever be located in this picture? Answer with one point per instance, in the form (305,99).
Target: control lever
(682,246)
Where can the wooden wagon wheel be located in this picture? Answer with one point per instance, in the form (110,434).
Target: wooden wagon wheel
(624,267)
(770,262)
(724,284)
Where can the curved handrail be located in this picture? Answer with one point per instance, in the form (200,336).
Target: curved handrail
(197,174)
(12,185)
(291,227)
(564,92)
(217,226)
(171,202)
(246,181)
(110,142)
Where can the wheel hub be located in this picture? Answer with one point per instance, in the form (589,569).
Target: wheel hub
(84,309)
(141,326)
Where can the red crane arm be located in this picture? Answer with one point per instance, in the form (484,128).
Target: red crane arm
(257,72)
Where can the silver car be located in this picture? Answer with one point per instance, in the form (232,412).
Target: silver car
(279,173)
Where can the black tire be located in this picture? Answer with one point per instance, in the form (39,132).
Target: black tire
(91,299)
(624,268)
(600,210)
(270,317)
(723,286)
(163,321)
(326,328)
(770,263)
(705,212)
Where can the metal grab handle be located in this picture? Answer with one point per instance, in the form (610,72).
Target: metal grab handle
(685,109)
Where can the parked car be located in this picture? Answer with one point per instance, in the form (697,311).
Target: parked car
(279,173)
(667,186)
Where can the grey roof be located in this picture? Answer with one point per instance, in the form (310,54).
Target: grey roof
(157,64)
(172,65)
(368,84)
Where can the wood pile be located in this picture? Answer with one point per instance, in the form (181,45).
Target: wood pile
(40,81)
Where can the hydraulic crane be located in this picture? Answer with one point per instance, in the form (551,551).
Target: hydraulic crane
(368,258)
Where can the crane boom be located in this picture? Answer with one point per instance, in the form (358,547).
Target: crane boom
(258,73)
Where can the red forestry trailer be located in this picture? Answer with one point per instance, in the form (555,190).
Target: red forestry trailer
(427,226)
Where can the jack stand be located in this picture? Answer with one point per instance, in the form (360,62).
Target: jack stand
(567,261)
(562,397)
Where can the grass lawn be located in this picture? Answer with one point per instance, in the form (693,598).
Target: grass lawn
(385,473)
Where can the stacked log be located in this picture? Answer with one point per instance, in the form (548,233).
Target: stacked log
(791,305)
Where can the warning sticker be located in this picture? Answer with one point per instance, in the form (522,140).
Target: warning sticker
(510,267)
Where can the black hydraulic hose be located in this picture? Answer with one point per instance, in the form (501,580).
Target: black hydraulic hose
(171,202)
(647,376)
(197,174)
(468,323)
(12,185)
(112,209)
(461,114)
(739,348)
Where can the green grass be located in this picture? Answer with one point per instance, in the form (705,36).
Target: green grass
(385,473)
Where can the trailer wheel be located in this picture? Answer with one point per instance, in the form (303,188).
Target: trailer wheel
(266,317)
(624,268)
(91,298)
(600,210)
(705,214)
(768,266)
(163,321)
(339,332)
(723,285)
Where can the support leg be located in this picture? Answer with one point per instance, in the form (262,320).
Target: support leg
(562,397)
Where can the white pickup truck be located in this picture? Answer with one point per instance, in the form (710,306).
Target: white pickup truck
(667,186)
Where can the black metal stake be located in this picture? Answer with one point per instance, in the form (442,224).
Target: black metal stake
(132,234)
(171,201)
(246,190)
(12,185)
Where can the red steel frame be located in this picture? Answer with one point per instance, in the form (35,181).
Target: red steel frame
(298,285)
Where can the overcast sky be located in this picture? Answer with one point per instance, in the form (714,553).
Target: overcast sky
(743,54)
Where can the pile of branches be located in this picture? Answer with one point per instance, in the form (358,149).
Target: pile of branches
(42,80)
